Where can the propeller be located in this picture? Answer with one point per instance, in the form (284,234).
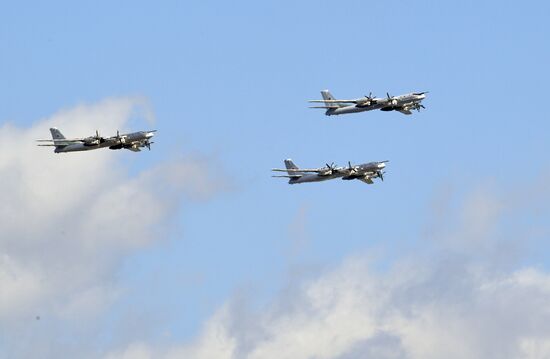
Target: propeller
(370,97)
(392,101)
(381,175)
(148,145)
(418,106)
(331,168)
(98,137)
(351,168)
(93,140)
(369,101)
(119,138)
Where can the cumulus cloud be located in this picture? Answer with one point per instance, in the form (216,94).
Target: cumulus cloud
(452,302)
(68,220)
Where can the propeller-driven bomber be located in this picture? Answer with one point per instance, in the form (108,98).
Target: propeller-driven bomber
(402,103)
(130,141)
(364,172)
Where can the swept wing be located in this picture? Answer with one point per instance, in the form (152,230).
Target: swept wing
(320,171)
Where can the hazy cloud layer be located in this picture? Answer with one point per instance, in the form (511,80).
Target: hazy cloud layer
(68,220)
(469,298)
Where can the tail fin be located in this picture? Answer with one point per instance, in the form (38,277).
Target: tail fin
(56,134)
(291,166)
(328,96)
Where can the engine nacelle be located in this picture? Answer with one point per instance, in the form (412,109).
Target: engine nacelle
(362,104)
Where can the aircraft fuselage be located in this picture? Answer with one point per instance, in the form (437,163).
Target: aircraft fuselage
(379,104)
(113,143)
(370,169)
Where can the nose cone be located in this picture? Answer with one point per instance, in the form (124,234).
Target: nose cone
(149,134)
(381,165)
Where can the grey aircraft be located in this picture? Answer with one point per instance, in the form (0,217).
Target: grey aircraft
(364,172)
(402,103)
(130,141)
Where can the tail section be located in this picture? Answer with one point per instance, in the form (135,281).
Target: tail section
(293,175)
(56,134)
(328,96)
(291,166)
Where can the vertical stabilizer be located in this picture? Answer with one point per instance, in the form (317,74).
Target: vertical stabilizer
(291,166)
(328,96)
(57,135)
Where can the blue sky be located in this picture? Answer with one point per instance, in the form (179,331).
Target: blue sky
(228,83)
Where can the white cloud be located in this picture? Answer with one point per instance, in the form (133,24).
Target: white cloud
(455,303)
(355,313)
(68,220)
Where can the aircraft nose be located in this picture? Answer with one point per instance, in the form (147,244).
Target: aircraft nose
(149,134)
(381,165)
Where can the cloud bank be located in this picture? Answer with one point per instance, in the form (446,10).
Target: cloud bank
(67,221)
(470,297)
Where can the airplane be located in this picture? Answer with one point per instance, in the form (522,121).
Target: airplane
(363,172)
(131,141)
(403,103)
